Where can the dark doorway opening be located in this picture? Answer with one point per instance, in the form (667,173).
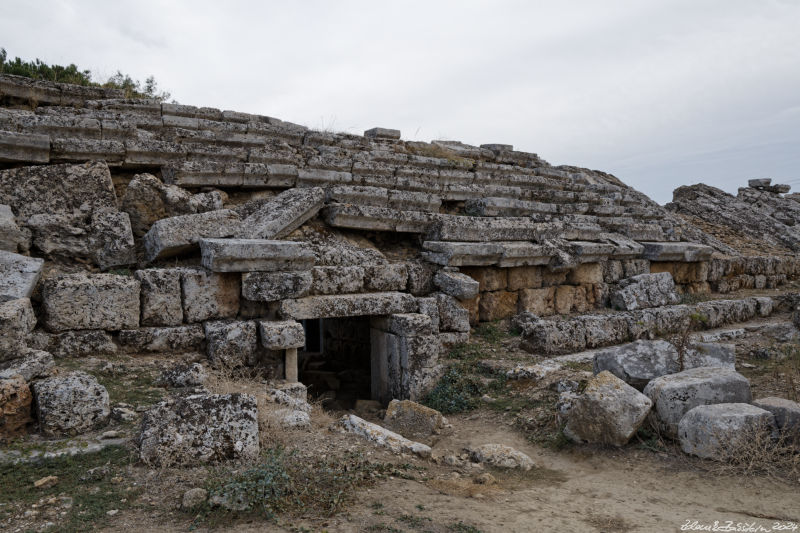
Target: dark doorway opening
(335,362)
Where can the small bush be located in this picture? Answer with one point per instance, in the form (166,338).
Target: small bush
(455,392)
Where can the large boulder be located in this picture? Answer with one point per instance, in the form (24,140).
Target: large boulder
(675,394)
(608,412)
(638,362)
(413,420)
(787,415)
(720,431)
(70,404)
(645,290)
(200,429)
(15,406)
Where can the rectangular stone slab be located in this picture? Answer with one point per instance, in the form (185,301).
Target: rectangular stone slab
(333,306)
(18,275)
(24,147)
(676,251)
(98,301)
(175,235)
(283,214)
(255,255)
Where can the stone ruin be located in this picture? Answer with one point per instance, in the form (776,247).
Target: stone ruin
(346,262)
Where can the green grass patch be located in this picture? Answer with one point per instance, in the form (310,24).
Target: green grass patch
(461,527)
(93,494)
(135,389)
(491,332)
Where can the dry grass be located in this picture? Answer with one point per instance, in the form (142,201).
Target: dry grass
(608,523)
(757,453)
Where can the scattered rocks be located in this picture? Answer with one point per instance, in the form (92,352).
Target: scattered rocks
(609,411)
(46,482)
(675,394)
(200,429)
(716,431)
(501,456)
(70,404)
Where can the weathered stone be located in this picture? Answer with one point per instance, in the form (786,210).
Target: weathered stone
(420,278)
(501,456)
(274,286)
(98,301)
(164,339)
(179,234)
(231,344)
(194,498)
(495,279)
(24,147)
(382,436)
(413,420)
(586,273)
(184,375)
(17,320)
(283,214)
(675,394)
(110,240)
(676,251)
(57,189)
(452,316)
(337,280)
(787,415)
(700,354)
(255,255)
(70,404)
(200,429)
(638,362)
(462,253)
(497,305)
(12,238)
(31,364)
(645,290)
(538,301)
(759,182)
(160,296)
(405,324)
(209,295)
(717,431)
(382,133)
(456,284)
(76,343)
(280,335)
(377,303)
(386,277)
(18,275)
(15,406)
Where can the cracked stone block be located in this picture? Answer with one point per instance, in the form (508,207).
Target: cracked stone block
(161,296)
(283,214)
(715,431)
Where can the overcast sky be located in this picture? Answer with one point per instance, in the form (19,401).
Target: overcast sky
(659,93)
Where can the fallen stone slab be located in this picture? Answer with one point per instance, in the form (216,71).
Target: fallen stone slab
(200,429)
(456,284)
(638,362)
(70,404)
(382,437)
(97,301)
(17,320)
(645,290)
(31,364)
(501,456)
(281,334)
(174,339)
(413,420)
(255,255)
(719,431)
(607,412)
(175,235)
(674,395)
(283,214)
(333,306)
(231,344)
(787,415)
(15,406)
(274,286)
(19,275)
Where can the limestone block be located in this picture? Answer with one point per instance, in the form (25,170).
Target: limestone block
(337,280)
(645,290)
(17,320)
(30,365)
(566,296)
(700,354)
(378,303)
(209,295)
(497,305)
(175,339)
(184,375)
(12,238)
(607,412)
(255,255)
(456,284)
(79,150)
(496,279)
(414,421)
(420,278)
(231,344)
(98,301)
(70,404)
(386,277)
(462,253)
(586,273)
(382,437)
(524,277)
(555,337)
(714,431)
(638,362)
(452,316)
(676,251)
(274,286)
(674,395)
(200,429)
(79,343)
(161,296)
(382,133)
(283,214)
(404,324)
(501,456)
(24,147)
(473,307)
(429,306)
(15,406)
(179,234)
(787,415)
(280,335)
(111,240)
